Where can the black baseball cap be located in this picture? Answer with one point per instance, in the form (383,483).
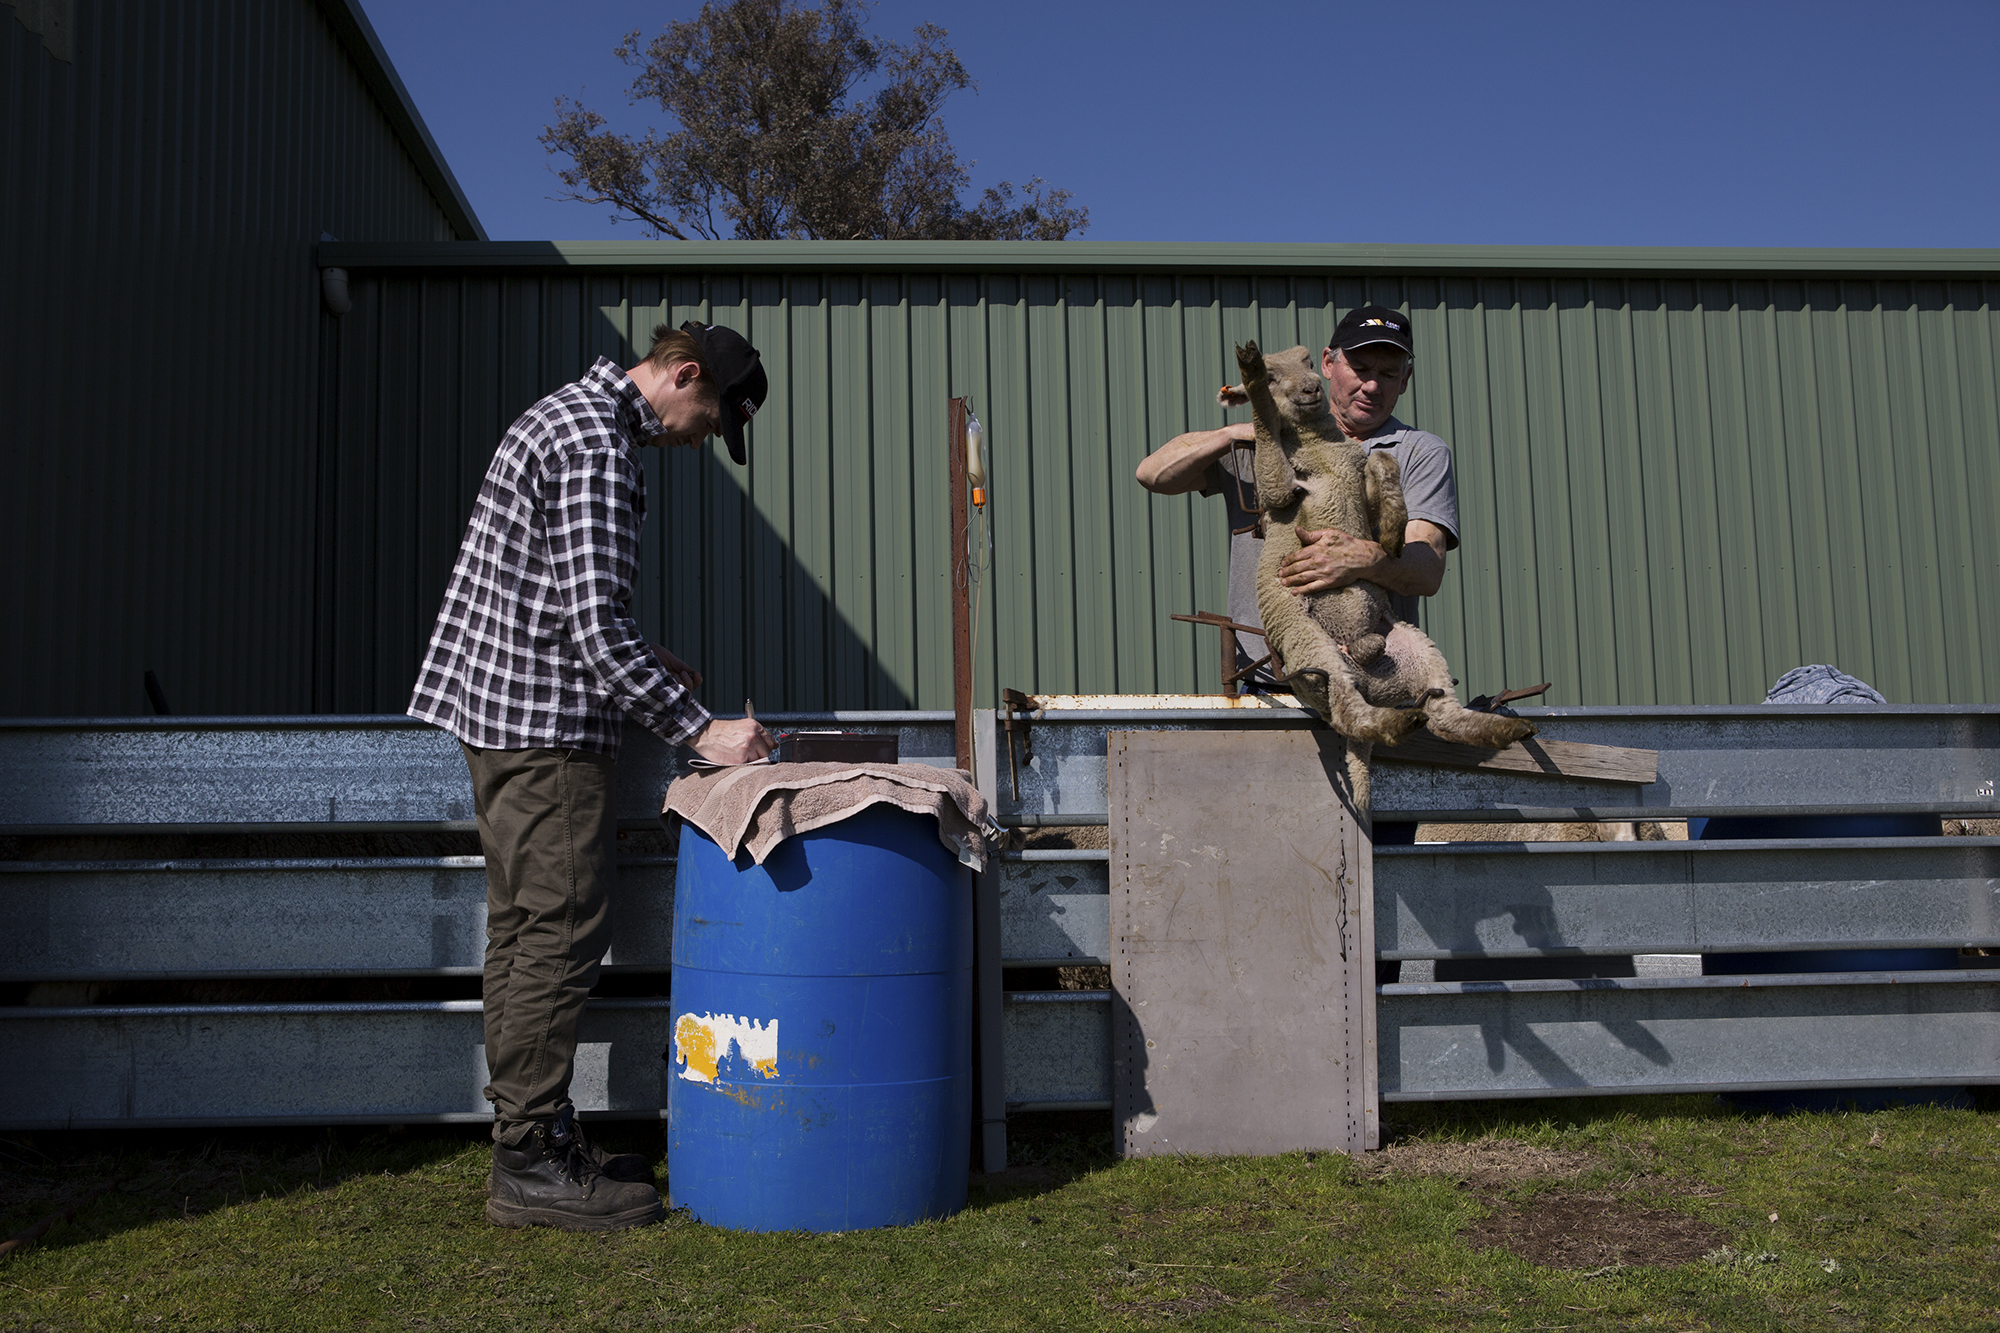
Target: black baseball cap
(739,379)
(1373,324)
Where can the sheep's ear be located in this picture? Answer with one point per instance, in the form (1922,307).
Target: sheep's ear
(1231,395)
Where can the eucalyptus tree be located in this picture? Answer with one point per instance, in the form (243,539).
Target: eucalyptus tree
(790,122)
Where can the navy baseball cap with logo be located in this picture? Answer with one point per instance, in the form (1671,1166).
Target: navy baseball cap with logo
(1373,324)
(739,379)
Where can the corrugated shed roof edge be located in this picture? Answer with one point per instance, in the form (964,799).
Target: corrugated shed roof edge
(1155,257)
(357,35)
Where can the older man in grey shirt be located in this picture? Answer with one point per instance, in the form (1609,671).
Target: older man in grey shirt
(1368,366)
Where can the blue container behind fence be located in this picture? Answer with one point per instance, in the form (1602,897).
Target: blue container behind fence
(1730,827)
(821,1066)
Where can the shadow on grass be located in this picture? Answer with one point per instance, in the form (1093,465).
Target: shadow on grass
(164,1174)
(1046,1150)
(1477,1119)
(167,1174)
(1474,1119)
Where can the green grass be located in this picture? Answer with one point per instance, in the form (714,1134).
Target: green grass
(1884,1220)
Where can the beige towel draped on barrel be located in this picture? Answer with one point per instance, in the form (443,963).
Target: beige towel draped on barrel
(758,806)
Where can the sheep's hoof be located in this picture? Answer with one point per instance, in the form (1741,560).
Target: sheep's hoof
(1251,362)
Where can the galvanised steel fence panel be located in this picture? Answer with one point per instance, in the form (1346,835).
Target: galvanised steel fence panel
(1512,1039)
(108,922)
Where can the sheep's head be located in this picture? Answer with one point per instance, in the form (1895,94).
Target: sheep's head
(1294,379)
(1296,385)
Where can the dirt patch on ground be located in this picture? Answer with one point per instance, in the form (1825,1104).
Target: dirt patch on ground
(1199,1300)
(1584,1230)
(1592,1231)
(1485,1164)
(1314,1295)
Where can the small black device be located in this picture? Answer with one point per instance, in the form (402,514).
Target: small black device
(839,747)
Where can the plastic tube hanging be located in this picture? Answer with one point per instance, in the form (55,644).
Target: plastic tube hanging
(975,456)
(976,561)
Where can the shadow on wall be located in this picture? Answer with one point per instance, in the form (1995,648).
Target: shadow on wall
(721,583)
(723,587)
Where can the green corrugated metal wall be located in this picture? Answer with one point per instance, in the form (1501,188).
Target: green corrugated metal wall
(161,192)
(1679,474)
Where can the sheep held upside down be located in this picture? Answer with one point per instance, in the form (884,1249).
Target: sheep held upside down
(1372,677)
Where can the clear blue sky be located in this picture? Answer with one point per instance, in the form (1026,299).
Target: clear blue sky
(1746,123)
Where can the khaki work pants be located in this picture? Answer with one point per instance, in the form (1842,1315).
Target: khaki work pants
(549,828)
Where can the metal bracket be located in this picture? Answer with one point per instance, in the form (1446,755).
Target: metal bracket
(1230,629)
(1017,702)
(1492,703)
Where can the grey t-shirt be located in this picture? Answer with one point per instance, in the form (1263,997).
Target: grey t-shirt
(1428,490)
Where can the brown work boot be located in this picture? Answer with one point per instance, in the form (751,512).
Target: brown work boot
(548,1179)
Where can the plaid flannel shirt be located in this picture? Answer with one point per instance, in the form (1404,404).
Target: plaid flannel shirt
(535,645)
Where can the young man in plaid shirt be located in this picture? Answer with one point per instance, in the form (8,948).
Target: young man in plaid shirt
(534,665)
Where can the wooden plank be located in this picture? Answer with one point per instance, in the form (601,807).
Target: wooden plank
(1537,754)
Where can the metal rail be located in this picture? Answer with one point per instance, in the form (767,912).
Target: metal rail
(1477,1040)
(1552,899)
(1447,1041)
(275,1064)
(1054,908)
(1712,761)
(160,775)
(157,920)
(1522,900)
(1058,1048)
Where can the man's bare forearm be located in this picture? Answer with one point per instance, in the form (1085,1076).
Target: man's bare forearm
(1331,559)
(1181,464)
(1417,570)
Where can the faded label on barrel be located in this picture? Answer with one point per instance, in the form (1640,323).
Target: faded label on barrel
(704,1042)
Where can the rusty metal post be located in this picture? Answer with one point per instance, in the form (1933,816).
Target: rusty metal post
(1230,688)
(961,586)
(989,1127)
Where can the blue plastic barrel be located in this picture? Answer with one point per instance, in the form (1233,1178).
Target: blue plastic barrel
(821,1065)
